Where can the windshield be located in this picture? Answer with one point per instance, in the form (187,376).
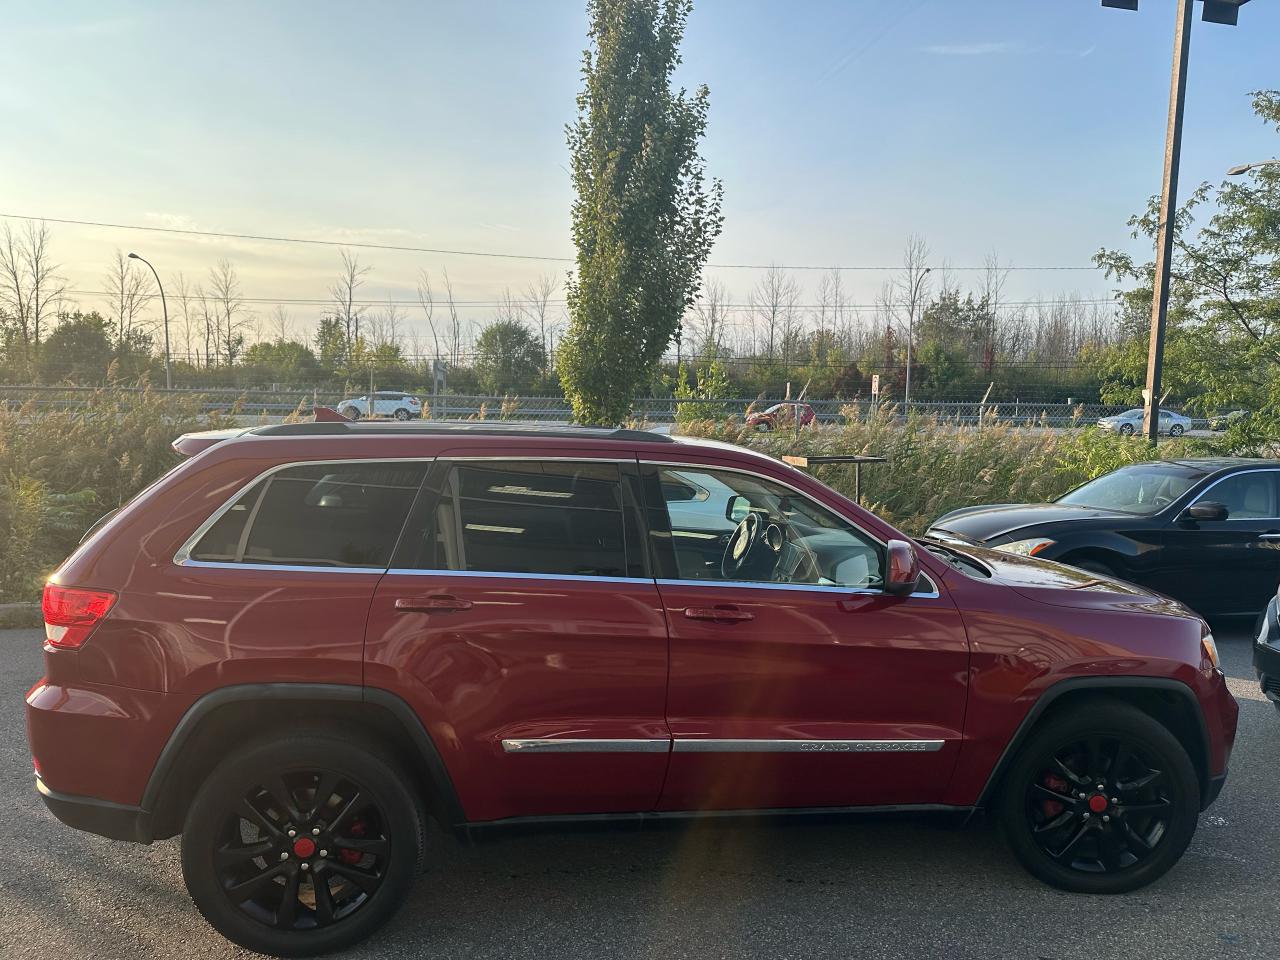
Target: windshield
(1142,489)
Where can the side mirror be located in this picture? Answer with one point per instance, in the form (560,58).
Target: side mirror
(737,509)
(1206,510)
(903,568)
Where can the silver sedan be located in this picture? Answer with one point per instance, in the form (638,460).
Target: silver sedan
(1130,422)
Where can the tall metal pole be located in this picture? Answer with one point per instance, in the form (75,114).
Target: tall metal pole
(168,374)
(1168,210)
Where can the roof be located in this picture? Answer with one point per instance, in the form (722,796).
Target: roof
(1214,464)
(455,428)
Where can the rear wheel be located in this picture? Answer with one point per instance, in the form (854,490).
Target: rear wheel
(1175,430)
(1100,800)
(302,845)
(402,414)
(1126,429)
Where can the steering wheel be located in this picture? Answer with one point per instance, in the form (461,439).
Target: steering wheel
(752,551)
(1159,500)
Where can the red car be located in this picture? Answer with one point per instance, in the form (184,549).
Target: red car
(782,415)
(307,639)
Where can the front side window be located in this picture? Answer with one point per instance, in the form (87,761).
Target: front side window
(532,517)
(322,515)
(735,526)
(1247,496)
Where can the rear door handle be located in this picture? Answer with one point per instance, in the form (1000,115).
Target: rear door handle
(719,614)
(437,603)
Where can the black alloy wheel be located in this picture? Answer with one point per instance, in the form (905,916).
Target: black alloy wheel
(1101,800)
(301,846)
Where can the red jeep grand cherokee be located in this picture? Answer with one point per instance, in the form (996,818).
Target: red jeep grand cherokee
(308,638)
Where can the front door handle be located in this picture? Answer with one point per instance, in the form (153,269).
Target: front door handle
(725,614)
(436,603)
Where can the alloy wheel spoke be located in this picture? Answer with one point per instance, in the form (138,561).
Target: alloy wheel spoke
(1123,755)
(229,856)
(377,846)
(1068,773)
(288,911)
(247,811)
(347,810)
(242,891)
(1137,783)
(1061,820)
(324,898)
(1149,806)
(367,882)
(282,797)
(1051,794)
(1109,850)
(1138,844)
(1094,747)
(1070,844)
(325,786)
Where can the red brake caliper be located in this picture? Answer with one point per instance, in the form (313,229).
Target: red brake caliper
(358,829)
(1052,808)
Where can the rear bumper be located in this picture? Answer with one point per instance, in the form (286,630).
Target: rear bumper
(1266,655)
(107,819)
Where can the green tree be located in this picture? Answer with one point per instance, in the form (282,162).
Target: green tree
(331,342)
(285,357)
(509,357)
(78,350)
(712,384)
(1223,347)
(644,217)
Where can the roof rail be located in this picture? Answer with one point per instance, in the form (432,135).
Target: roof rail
(459,428)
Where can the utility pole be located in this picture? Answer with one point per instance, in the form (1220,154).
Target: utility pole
(1215,11)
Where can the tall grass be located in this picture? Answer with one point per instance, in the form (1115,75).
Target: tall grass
(60,469)
(934,466)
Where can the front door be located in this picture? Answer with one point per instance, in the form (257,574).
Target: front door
(520,621)
(795,680)
(1231,566)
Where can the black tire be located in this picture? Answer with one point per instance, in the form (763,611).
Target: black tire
(1126,429)
(764,426)
(402,414)
(368,803)
(1095,566)
(1175,430)
(1097,844)
(352,412)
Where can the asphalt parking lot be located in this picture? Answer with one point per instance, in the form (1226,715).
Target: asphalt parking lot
(887,887)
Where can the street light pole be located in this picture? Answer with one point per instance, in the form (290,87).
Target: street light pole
(911,328)
(1168,211)
(168,374)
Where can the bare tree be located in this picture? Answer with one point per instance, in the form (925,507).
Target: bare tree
(343,293)
(454,331)
(384,327)
(427,300)
(31,291)
(710,318)
(185,299)
(910,289)
(775,303)
(281,323)
(538,308)
(229,312)
(129,290)
(208,324)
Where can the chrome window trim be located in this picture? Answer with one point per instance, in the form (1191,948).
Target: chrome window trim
(284,567)
(586,745)
(1232,476)
(689,745)
(501,575)
(931,594)
(183,556)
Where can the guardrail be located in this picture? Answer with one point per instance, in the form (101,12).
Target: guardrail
(649,409)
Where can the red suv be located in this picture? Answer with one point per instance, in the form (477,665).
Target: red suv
(306,639)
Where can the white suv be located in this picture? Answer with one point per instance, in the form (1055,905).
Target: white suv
(386,403)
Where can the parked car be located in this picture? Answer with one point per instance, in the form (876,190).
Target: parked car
(308,638)
(1204,531)
(386,403)
(782,415)
(1130,422)
(1224,421)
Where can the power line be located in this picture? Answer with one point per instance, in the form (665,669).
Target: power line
(366,245)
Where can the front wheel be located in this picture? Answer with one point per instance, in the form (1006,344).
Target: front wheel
(302,845)
(402,414)
(1126,429)
(1175,430)
(351,412)
(1101,799)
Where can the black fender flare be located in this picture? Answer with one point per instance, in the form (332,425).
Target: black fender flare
(404,715)
(1106,685)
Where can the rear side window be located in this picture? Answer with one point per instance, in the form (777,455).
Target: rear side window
(524,517)
(322,514)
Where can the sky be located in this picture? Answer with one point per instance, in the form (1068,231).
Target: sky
(1031,128)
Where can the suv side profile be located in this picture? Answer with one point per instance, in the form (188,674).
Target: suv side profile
(385,403)
(307,639)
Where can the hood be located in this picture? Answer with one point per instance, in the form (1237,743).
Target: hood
(1060,585)
(982,524)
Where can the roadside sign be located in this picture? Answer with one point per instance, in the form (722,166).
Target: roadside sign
(875,384)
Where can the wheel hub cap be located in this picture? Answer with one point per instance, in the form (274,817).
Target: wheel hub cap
(304,847)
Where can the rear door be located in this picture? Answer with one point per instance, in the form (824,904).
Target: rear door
(521,622)
(796,681)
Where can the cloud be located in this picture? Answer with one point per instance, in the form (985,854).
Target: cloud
(1088,50)
(980,49)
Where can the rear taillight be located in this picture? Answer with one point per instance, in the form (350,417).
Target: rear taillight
(71,613)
